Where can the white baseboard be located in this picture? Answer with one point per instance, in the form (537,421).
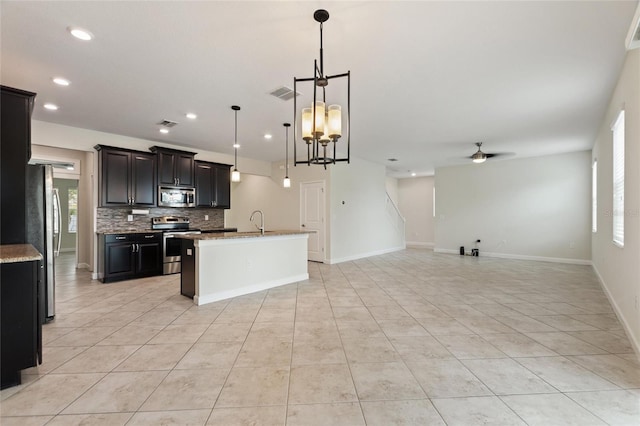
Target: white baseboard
(222,295)
(616,309)
(521,257)
(419,244)
(363,255)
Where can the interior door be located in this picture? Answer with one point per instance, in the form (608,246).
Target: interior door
(312,211)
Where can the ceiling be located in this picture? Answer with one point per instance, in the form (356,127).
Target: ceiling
(429,79)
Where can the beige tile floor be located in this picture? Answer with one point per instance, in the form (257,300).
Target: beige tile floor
(409,338)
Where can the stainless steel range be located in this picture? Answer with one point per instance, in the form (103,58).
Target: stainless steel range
(173,227)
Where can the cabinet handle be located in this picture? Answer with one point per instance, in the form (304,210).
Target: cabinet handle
(133,248)
(133,201)
(137,248)
(121,238)
(149,236)
(178,181)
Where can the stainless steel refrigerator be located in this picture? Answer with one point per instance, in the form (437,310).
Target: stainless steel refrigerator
(43,222)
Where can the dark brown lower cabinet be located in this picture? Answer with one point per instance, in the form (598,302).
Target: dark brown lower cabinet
(129,256)
(21,331)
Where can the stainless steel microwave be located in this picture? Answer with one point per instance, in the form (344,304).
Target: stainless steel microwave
(175,196)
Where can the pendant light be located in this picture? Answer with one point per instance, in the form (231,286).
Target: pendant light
(321,125)
(286,182)
(235,174)
(479,156)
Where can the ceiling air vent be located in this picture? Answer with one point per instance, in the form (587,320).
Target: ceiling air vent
(167,123)
(285,93)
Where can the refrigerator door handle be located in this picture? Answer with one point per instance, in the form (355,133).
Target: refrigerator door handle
(56,199)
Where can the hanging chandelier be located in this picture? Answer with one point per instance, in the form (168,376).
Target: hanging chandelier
(321,126)
(235,174)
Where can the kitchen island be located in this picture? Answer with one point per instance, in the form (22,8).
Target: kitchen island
(229,264)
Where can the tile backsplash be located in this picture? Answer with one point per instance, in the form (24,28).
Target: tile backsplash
(115,218)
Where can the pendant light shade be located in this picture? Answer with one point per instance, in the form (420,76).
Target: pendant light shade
(286,182)
(479,156)
(235,174)
(321,125)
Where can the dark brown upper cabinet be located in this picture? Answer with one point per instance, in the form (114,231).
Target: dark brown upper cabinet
(175,168)
(15,151)
(213,185)
(127,178)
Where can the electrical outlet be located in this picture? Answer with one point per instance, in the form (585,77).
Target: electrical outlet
(129,218)
(206,217)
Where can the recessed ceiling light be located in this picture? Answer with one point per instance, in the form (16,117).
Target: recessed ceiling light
(191,116)
(80,33)
(268,136)
(165,131)
(61,81)
(413,174)
(51,107)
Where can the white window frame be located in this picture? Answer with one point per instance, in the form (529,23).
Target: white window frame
(594,196)
(618,179)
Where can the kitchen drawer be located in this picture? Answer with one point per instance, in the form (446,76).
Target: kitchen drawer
(119,238)
(149,237)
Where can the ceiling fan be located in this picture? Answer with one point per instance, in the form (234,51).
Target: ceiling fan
(481,157)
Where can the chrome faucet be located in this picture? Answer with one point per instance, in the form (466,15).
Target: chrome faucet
(261,227)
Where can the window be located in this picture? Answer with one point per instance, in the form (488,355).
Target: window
(73,210)
(618,180)
(594,196)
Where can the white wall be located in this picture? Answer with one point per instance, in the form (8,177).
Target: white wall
(391,185)
(359,228)
(415,200)
(619,268)
(535,208)
(56,135)
(281,206)
(362,223)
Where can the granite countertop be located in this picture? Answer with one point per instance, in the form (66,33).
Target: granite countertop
(146,231)
(232,235)
(14,253)
(127,231)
